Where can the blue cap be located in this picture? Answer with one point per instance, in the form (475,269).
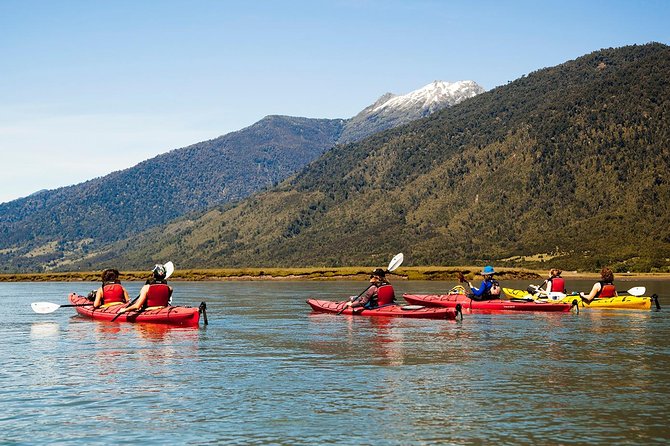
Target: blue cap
(487,271)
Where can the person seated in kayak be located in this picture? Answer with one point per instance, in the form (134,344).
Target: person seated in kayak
(155,293)
(489,288)
(603,288)
(380,292)
(555,283)
(111,291)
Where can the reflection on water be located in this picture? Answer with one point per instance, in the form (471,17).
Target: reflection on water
(269,371)
(41,330)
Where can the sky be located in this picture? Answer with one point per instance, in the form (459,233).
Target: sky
(91,87)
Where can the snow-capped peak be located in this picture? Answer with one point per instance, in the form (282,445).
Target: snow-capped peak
(392,110)
(437,94)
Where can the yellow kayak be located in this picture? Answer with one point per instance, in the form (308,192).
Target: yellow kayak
(618,302)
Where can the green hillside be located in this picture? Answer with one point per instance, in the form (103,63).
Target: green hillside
(43,229)
(567,165)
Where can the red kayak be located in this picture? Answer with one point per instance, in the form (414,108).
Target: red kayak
(416,311)
(451,300)
(183,316)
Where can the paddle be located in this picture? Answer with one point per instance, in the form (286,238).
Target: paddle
(169,269)
(48,307)
(395,262)
(636,291)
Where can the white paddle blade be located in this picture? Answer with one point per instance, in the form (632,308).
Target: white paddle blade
(169,269)
(637,291)
(44,307)
(395,262)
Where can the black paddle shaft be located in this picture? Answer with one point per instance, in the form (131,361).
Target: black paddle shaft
(131,302)
(357,297)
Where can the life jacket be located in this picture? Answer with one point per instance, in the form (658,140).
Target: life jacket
(112,292)
(557,285)
(158,295)
(606,290)
(385,295)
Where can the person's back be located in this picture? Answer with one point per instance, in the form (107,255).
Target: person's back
(603,288)
(555,283)
(158,294)
(111,292)
(385,294)
(607,289)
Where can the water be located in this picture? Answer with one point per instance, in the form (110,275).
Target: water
(268,371)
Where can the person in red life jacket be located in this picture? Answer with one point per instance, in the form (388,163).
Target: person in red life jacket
(111,290)
(489,288)
(555,283)
(380,292)
(604,288)
(155,293)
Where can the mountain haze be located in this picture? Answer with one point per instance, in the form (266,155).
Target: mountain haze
(51,228)
(567,164)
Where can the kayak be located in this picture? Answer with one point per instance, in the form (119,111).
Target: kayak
(614,303)
(393,310)
(183,316)
(453,299)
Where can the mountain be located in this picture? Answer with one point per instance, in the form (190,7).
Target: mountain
(48,228)
(392,111)
(44,227)
(566,166)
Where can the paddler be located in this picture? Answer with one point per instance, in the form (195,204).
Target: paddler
(156,293)
(555,283)
(489,288)
(604,288)
(380,292)
(111,290)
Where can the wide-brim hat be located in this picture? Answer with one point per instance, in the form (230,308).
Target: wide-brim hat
(487,271)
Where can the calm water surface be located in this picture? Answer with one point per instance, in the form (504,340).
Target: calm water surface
(268,371)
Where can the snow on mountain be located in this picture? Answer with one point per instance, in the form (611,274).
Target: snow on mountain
(392,110)
(436,95)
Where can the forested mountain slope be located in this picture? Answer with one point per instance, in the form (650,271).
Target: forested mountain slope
(569,163)
(50,227)
(42,228)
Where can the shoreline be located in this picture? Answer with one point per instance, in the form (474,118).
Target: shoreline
(323,273)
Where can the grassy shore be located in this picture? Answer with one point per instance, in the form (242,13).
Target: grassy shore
(323,273)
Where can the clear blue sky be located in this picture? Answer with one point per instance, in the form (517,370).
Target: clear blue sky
(89,87)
